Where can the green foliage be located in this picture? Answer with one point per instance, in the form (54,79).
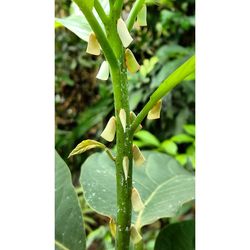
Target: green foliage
(147,139)
(162,47)
(163,185)
(181,146)
(177,236)
(68,222)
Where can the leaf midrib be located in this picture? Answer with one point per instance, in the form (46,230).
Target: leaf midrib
(150,198)
(60,245)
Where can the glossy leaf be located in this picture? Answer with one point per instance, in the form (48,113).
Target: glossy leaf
(177,236)
(148,138)
(169,147)
(164,186)
(69,230)
(182,138)
(190,129)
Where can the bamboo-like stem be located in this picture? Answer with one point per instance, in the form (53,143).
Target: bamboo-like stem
(133,13)
(101,12)
(123,139)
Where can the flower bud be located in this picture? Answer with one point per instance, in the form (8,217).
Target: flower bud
(155,112)
(93,45)
(109,132)
(122,116)
(123,33)
(142,16)
(138,156)
(131,63)
(135,235)
(136,200)
(125,164)
(103,73)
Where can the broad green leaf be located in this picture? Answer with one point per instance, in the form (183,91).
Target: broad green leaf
(169,147)
(182,138)
(190,129)
(177,236)
(147,138)
(76,24)
(69,230)
(164,186)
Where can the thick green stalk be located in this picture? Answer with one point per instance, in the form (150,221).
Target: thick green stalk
(123,140)
(133,13)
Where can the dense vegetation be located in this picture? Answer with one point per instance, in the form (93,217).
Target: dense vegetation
(84,104)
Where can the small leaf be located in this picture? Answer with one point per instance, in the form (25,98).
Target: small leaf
(182,159)
(112,227)
(86,145)
(138,156)
(123,32)
(177,236)
(142,16)
(103,73)
(123,119)
(125,165)
(169,146)
(131,63)
(109,132)
(155,112)
(93,45)
(182,138)
(148,138)
(136,200)
(190,129)
(135,235)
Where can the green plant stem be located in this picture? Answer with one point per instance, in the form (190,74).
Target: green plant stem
(107,50)
(133,13)
(118,8)
(101,12)
(111,3)
(123,139)
(165,87)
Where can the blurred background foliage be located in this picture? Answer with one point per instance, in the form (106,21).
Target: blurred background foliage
(83,104)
